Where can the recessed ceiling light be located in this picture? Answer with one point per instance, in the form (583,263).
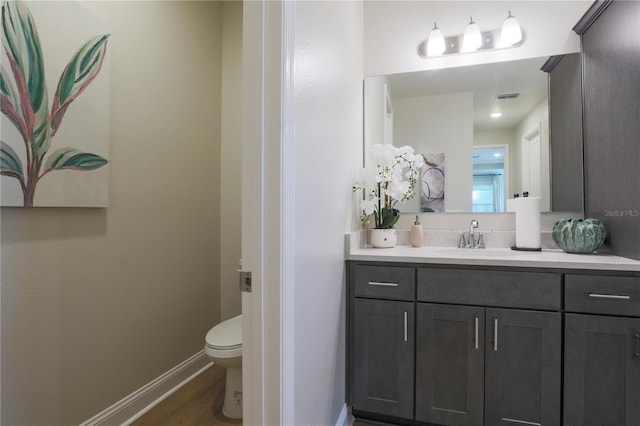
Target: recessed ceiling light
(496,114)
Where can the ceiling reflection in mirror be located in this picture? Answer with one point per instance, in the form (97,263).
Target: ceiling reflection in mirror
(466,112)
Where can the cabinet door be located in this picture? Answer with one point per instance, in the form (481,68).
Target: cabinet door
(522,367)
(383,357)
(449,364)
(601,371)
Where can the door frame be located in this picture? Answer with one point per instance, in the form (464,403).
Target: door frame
(526,165)
(268,211)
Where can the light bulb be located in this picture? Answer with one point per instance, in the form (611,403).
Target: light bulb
(435,44)
(472,37)
(511,32)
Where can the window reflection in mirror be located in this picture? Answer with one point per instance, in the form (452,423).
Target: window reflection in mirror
(489,182)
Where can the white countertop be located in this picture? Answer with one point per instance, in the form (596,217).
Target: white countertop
(547,258)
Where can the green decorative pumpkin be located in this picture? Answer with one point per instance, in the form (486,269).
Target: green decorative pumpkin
(581,236)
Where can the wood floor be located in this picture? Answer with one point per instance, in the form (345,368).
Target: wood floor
(366,423)
(198,403)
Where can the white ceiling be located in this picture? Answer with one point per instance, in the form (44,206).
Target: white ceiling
(485,81)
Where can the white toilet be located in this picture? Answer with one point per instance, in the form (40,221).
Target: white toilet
(223,346)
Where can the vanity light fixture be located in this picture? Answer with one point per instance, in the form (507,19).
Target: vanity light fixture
(435,44)
(472,37)
(511,32)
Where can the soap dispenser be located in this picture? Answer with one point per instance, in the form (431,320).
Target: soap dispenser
(416,233)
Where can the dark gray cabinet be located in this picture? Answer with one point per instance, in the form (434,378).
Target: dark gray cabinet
(478,366)
(523,367)
(383,346)
(601,371)
(611,112)
(450,364)
(476,346)
(503,365)
(500,288)
(602,350)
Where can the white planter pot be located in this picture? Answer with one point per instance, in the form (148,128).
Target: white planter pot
(383,238)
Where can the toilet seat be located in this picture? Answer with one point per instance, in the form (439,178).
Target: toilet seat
(225,339)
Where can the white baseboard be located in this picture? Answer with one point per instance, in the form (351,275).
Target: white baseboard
(343,419)
(130,408)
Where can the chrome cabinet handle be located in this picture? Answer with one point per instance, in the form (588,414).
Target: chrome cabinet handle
(476,333)
(609,296)
(521,422)
(495,334)
(383,284)
(405,326)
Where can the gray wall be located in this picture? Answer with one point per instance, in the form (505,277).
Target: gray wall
(231,164)
(98,302)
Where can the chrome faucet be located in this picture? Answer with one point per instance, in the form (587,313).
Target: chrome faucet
(471,241)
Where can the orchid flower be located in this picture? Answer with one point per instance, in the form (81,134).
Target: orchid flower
(391,179)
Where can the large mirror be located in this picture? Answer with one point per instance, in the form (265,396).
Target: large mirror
(484,129)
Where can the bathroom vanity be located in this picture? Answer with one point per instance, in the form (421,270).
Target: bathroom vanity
(493,337)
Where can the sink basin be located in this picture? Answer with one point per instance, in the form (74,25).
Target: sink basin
(495,252)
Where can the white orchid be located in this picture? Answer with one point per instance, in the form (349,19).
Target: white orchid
(398,189)
(368,206)
(392,178)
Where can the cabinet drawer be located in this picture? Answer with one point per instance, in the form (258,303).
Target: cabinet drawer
(531,290)
(388,282)
(601,294)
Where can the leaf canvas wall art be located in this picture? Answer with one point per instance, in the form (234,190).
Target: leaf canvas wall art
(54,128)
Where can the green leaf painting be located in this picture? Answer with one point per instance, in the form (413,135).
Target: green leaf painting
(24,100)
